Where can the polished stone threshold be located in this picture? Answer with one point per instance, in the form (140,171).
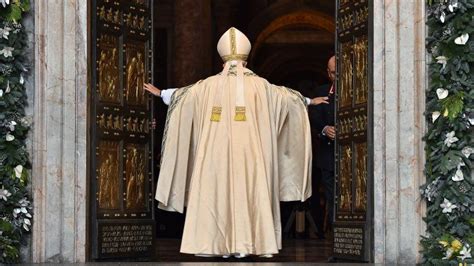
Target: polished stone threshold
(294,250)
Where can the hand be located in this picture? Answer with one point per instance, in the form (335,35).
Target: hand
(319,100)
(152,89)
(330,132)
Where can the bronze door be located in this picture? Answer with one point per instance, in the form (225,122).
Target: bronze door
(121,196)
(353,192)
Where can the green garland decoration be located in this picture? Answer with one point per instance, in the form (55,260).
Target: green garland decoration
(15,200)
(449,190)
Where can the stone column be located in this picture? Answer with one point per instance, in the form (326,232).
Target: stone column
(59,174)
(193,41)
(399,100)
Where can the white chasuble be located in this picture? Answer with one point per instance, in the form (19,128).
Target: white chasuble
(231,174)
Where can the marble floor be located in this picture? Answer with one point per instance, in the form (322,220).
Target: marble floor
(294,252)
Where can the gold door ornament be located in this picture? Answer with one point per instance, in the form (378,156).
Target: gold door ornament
(136,125)
(108,175)
(343,2)
(360,123)
(109,122)
(346,75)
(361,47)
(140,2)
(135,74)
(361,15)
(108,69)
(137,22)
(345,186)
(346,21)
(345,127)
(361,176)
(135,177)
(109,15)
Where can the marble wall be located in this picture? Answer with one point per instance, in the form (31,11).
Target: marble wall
(59,137)
(399,84)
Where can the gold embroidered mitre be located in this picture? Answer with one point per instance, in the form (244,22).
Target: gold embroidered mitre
(233,45)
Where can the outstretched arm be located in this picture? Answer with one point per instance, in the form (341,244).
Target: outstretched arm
(318,100)
(164,94)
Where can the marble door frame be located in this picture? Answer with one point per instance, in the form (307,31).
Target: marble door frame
(399,80)
(60,135)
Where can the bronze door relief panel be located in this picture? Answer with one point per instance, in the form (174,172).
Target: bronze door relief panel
(108,169)
(121,201)
(135,177)
(353,184)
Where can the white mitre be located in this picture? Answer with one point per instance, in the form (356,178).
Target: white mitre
(234,45)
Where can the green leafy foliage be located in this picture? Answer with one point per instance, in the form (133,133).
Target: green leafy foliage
(15,205)
(449,139)
(13,12)
(453,105)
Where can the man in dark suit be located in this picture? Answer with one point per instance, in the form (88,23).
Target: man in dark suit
(322,125)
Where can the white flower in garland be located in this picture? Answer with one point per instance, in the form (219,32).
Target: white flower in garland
(442,17)
(5,2)
(7,51)
(24,202)
(467,151)
(18,170)
(22,80)
(431,190)
(462,40)
(24,121)
(7,90)
(435,116)
(4,194)
(26,223)
(458,176)
(450,138)
(5,32)
(448,254)
(442,60)
(465,253)
(9,137)
(447,206)
(452,6)
(12,125)
(17,211)
(24,69)
(442,93)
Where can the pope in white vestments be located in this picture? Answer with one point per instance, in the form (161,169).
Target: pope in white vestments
(234,146)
